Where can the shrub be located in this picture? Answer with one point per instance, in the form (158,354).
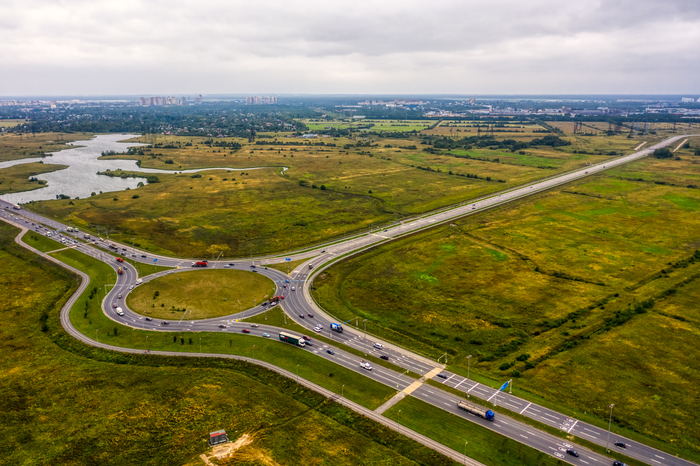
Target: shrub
(135,196)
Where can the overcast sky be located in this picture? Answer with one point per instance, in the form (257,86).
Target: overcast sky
(90,47)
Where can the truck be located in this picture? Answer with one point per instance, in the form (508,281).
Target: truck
(337,327)
(119,259)
(16,206)
(200,264)
(293,339)
(120,311)
(86,236)
(69,229)
(120,271)
(311,266)
(138,282)
(476,410)
(113,246)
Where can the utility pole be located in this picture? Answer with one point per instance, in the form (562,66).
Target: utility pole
(607,442)
(465,453)
(469,361)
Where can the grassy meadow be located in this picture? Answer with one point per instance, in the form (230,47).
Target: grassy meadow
(16,178)
(65,403)
(205,294)
(554,290)
(21,146)
(329,191)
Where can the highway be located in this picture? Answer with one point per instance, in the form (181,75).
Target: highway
(299,303)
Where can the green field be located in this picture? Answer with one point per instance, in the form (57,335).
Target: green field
(15,146)
(41,242)
(8,123)
(252,213)
(15,179)
(540,289)
(203,293)
(65,403)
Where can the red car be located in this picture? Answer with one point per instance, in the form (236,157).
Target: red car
(310,315)
(114,305)
(306,338)
(245,330)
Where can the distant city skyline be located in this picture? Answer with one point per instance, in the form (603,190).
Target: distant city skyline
(268,48)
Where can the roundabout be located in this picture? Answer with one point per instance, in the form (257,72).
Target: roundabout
(199,294)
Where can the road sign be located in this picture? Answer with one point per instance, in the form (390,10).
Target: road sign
(287,259)
(155,260)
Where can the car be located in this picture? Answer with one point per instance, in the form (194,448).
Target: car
(365,365)
(572,452)
(245,330)
(266,335)
(310,315)
(222,326)
(319,325)
(114,305)
(317,329)
(255,271)
(309,343)
(306,338)
(330,351)
(273,304)
(231,264)
(165,322)
(442,375)
(131,287)
(301,315)
(254,325)
(264,304)
(133,255)
(143,255)
(284,286)
(620,444)
(379,346)
(293,288)
(586,172)
(120,296)
(226,266)
(252,266)
(618,463)
(384,357)
(148,319)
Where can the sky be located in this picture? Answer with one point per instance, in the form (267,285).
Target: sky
(132,47)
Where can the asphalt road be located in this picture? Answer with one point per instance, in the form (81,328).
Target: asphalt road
(299,303)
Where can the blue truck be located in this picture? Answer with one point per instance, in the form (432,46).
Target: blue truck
(337,327)
(477,410)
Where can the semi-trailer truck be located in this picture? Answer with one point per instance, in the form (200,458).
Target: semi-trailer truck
(337,327)
(293,339)
(200,264)
(477,410)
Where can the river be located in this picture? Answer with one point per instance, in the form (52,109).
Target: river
(80,179)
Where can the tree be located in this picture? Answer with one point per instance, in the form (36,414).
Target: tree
(663,153)
(323,187)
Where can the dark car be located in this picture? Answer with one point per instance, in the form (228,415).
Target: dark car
(301,315)
(572,452)
(620,444)
(252,266)
(618,463)
(222,326)
(245,330)
(384,357)
(114,305)
(264,304)
(330,351)
(143,255)
(148,319)
(308,343)
(231,264)
(165,322)
(311,315)
(442,375)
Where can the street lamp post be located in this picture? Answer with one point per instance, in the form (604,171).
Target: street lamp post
(469,363)
(297,373)
(607,442)
(365,321)
(96,335)
(398,425)
(253,351)
(200,345)
(465,452)
(342,391)
(147,345)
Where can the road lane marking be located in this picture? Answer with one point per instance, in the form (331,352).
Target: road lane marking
(583,461)
(572,426)
(496,393)
(660,457)
(445,381)
(460,383)
(583,433)
(472,387)
(522,436)
(521,412)
(596,433)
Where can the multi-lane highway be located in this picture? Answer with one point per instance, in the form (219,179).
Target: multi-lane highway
(298,303)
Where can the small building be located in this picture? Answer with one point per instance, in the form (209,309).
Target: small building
(217,438)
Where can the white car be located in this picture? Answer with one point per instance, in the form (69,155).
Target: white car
(379,346)
(365,365)
(119,311)
(317,329)
(254,325)
(293,288)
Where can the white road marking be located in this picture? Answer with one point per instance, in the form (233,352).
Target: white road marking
(522,436)
(472,388)
(584,461)
(448,378)
(589,430)
(521,412)
(460,383)
(495,393)
(572,426)
(660,457)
